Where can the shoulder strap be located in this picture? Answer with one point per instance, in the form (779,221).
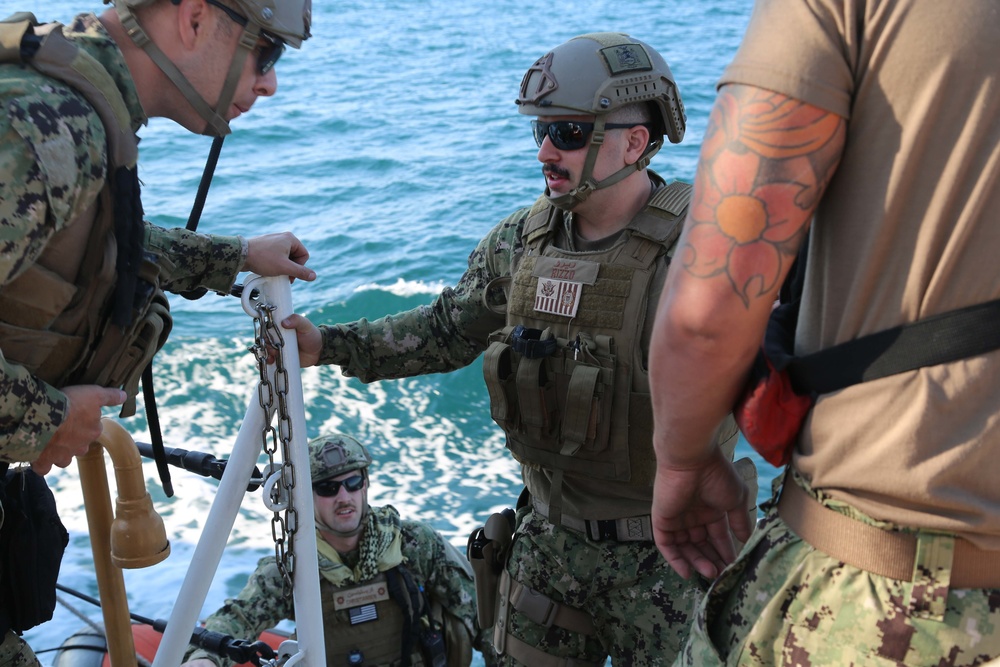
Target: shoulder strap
(673,198)
(951,336)
(957,334)
(12,32)
(407,594)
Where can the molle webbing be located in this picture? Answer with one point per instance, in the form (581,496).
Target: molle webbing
(583,406)
(602,306)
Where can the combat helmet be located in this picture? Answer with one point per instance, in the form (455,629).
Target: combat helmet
(336,454)
(597,74)
(278,21)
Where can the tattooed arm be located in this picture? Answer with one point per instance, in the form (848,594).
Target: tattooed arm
(764,164)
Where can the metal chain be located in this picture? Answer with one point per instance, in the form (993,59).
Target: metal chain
(267,337)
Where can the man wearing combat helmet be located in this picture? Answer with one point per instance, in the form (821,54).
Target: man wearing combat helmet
(394,592)
(559,298)
(82,309)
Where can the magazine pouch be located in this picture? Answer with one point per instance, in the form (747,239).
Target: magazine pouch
(32,541)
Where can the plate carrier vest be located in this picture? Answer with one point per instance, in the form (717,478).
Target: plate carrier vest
(572,392)
(384,618)
(57,325)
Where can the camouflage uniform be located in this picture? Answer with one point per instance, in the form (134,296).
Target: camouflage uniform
(45,186)
(437,568)
(53,165)
(639,606)
(785,603)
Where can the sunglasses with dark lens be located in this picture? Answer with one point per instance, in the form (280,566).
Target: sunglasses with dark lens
(328,488)
(268,52)
(569,135)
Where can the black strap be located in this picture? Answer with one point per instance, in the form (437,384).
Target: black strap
(404,590)
(155,434)
(957,334)
(152,417)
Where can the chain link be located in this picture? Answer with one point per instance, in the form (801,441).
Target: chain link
(267,337)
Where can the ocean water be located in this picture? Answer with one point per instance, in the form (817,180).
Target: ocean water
(392,146)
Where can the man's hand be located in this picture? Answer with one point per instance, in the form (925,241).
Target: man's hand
(694,510)
(280,254)
(81,427)
(309,338)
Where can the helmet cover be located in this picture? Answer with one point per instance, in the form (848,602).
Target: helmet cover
(597,73)
(336,454)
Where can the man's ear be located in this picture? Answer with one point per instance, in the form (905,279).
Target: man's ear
(192,21)
(638,140)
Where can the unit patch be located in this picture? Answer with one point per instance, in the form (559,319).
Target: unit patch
(626,58)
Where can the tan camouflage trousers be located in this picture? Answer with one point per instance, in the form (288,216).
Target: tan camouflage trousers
(784,603)
(15,652)
(641,608)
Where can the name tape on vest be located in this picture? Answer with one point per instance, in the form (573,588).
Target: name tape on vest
(570,270)
(361,595)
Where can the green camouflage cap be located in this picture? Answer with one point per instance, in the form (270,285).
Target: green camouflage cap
(335,454)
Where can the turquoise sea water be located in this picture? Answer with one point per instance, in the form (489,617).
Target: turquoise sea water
(392,146)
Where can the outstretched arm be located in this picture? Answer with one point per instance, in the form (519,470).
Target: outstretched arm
(764,164)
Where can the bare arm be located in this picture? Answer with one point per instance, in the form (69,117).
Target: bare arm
(764,164)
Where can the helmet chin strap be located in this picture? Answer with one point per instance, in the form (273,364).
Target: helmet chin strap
(580,193)
(216,123)
(349,533)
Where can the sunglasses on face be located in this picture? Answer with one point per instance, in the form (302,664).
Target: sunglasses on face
(328,488)
(268,52)
(569,135)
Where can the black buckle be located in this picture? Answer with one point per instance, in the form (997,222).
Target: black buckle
(528,343)
(607,529)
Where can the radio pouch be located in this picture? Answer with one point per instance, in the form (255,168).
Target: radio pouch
(488,549)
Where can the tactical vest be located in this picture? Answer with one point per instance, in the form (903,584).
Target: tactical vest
(566,376)
(55,317)
(367,621)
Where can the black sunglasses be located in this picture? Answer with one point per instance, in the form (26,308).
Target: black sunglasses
(328,488)
(268,52)
(569,135)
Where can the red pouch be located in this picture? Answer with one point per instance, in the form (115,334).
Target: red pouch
(770,413)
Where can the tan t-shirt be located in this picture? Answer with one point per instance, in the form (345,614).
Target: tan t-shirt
(909,227)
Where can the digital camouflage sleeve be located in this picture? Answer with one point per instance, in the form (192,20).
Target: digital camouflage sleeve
(52,168)
(443,336)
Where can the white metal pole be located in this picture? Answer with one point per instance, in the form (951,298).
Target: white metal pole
(232,487)
(306,597)
(218,526)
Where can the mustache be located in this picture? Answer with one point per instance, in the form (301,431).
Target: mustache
(555,170)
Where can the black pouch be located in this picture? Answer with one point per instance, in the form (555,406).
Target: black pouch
(32,541)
